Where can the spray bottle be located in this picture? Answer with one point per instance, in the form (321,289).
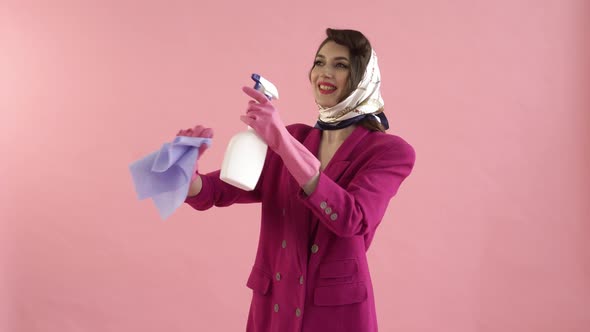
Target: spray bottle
(246,152)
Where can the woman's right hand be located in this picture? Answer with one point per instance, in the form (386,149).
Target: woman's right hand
(202,132)
(198,131)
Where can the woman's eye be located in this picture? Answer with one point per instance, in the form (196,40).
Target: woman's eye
(317,63)
(341,65)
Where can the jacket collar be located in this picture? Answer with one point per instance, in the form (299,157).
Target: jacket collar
(342,158)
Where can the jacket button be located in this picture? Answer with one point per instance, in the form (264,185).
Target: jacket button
(298,312)
(284,212)
(278,276)
(334,216)
(314,248)
(276,308)
(301,280)
(328,210)
(323,205)
(284,244)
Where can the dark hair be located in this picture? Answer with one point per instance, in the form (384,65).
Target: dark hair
(360,54)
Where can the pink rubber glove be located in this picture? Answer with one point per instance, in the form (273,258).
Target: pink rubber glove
(264,119)
(197,131)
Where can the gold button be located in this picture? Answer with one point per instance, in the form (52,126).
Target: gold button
(334,216)
(284,244)
(328,210)
(298,312)
(278,276)
(301,280)
(276,308)
(314,248)
(323,205)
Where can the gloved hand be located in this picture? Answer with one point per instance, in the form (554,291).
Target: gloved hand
(262,116)
(197,131)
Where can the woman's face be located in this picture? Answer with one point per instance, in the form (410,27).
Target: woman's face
(329,75)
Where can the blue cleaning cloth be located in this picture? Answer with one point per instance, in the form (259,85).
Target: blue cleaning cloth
(165,175)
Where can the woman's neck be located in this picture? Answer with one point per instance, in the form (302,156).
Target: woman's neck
(337,136)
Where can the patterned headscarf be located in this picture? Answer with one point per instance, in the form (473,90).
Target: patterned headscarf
(364,101)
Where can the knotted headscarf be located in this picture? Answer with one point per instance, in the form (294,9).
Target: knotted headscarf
(364,101)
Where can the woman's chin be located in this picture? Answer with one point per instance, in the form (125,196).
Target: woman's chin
(325,104)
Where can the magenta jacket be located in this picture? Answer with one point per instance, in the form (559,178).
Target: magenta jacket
(311,272)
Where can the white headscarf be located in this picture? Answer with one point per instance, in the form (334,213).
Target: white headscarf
(365,99)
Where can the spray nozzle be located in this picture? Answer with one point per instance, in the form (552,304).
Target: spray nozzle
(265,86)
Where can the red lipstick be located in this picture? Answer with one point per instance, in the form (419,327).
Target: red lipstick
(330,88)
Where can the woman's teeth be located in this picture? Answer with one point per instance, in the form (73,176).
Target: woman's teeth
(327,87)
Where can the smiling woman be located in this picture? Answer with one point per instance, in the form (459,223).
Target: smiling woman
(330,74)
(324,191)
(339,68)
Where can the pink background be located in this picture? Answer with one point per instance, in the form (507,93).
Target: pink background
(491,232)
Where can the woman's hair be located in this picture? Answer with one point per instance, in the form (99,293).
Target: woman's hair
(360,54)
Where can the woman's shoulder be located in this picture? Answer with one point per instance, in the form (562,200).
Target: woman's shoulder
(374,142)
(385,143)
(388,139)
(299,130)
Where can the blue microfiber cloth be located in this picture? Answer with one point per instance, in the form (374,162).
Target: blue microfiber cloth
(165,175)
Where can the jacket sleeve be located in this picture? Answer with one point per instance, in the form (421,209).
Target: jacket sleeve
(218,193)
(359,208)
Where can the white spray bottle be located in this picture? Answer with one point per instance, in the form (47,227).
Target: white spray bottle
(246,152)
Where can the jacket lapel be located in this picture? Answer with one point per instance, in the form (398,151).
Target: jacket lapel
(341,159)
(335,168)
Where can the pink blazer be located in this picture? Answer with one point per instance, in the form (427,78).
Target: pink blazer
(311,272)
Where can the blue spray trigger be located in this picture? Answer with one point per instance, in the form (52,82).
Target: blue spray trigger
(257,83)
(260,85)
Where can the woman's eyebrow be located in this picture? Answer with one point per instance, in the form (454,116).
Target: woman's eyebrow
(336,58)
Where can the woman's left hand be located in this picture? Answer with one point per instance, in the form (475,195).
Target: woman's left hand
(264,118)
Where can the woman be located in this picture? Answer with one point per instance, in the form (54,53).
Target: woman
(324,191)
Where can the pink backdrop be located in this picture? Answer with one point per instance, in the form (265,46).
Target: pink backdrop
(490,233)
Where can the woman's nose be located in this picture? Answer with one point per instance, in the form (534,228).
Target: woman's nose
(326,72)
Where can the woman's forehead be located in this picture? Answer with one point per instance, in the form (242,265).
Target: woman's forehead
(333,50)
